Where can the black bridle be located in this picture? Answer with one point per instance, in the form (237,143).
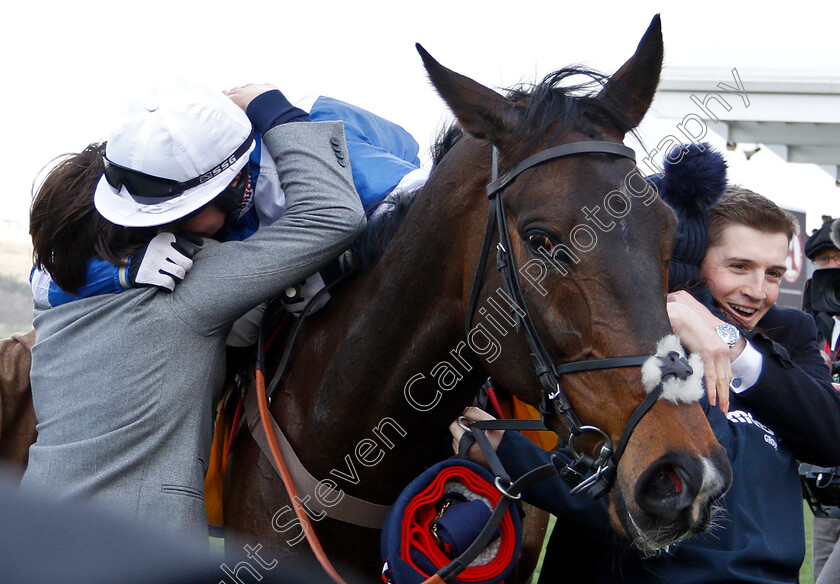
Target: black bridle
(555,403)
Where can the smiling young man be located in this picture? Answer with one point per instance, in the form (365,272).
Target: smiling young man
(777,405)
(743,269)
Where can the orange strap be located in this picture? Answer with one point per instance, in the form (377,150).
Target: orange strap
(314,543)
(215,478)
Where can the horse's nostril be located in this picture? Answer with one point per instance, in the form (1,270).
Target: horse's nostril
(669,486)
(675,479)
(665,483)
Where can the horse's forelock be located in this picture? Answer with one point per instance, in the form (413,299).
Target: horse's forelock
(551,106)
(556,106)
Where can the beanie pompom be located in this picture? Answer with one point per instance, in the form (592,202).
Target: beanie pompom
(694,178)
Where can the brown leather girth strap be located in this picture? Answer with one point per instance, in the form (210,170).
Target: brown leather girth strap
(348,509)
(280,465)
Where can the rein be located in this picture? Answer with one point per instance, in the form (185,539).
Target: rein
(555,402)
(285,475)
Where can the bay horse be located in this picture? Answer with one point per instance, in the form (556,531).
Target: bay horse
(376,379)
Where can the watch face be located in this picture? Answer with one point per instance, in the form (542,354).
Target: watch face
(728,333)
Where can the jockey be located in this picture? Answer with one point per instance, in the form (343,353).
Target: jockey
(384,160)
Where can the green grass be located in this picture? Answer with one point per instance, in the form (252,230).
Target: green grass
(217,547)
(551,521)
(806,572)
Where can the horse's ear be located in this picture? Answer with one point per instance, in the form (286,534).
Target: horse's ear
(634,84)
(481,111)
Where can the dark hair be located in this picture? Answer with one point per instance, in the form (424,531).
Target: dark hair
(66,228)
(740,206)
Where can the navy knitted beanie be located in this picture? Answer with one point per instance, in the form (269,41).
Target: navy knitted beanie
(693,180)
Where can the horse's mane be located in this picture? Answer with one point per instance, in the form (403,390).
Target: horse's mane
(383,220)
(446,139)
(546,106)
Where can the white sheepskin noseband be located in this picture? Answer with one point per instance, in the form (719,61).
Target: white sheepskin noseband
(674,389)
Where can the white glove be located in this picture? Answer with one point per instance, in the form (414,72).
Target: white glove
(164,261)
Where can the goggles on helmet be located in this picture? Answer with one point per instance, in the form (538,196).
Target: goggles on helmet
(146,188)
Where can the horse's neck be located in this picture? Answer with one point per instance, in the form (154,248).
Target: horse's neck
(398,318)
(397,322)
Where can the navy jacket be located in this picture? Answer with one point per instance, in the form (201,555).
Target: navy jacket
(791,413)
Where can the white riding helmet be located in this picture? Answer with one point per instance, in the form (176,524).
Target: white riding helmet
(177,149)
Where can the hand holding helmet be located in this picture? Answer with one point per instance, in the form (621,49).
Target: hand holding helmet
(243,95)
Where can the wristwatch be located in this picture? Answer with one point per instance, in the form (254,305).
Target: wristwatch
(729,333)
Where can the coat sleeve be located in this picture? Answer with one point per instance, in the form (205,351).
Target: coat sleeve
(793,394)
(323,217)
(519,455)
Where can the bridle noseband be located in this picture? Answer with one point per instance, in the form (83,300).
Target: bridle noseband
(555,403)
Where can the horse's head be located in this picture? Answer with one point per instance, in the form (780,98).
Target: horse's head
(590,241)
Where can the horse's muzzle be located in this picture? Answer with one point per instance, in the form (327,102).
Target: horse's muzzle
(677,493)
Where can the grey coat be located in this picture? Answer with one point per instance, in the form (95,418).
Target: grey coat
(123,384)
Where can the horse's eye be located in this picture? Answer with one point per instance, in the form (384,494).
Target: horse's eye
(540,243)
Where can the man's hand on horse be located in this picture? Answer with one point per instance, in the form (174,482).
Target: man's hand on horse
(473,414)
(695,326)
